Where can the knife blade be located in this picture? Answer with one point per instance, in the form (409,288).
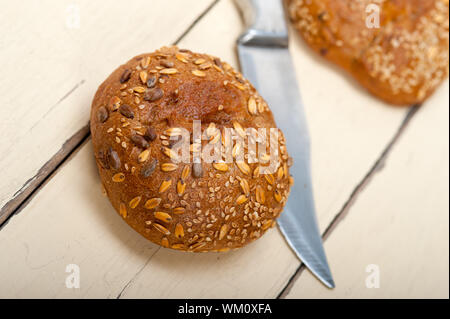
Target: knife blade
(265,61)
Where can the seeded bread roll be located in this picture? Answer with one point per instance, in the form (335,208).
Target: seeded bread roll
(135,115)
(402,62)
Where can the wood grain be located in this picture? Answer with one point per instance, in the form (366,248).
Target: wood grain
(55,64)
(69,221)
(399,222)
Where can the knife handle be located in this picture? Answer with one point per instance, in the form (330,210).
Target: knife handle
(265,21)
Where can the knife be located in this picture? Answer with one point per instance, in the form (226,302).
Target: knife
(265,61)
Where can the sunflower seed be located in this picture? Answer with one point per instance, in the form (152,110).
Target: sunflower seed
(153,94)
(126,111)
(125,76)
(167,64)
(150,134)
(113,159)
(135,201)
(139,141)
(103,159)
(152,203)
(102,114)
(148,170)
(163,217)
(151,82)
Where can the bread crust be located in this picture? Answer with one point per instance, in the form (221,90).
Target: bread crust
(183,206)
(402,62)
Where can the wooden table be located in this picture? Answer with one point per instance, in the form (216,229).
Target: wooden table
(381,173)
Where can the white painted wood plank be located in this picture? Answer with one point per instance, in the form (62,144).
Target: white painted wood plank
(400,222)
(51,68)
(349,130)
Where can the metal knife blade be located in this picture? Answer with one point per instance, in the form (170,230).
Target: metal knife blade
(266,63)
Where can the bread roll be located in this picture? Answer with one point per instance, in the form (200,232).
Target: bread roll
(402,62)
(136,118)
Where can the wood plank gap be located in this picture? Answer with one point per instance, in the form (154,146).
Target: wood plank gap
(212,5)
(27,191)
(376,167)
(30,188)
